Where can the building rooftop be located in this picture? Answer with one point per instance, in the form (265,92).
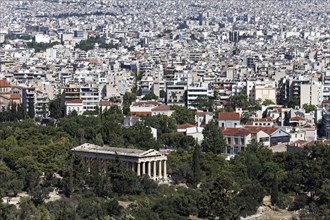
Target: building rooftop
(92,148)
(229,116)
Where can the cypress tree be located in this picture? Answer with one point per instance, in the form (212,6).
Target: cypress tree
(274,193)
(196,167)
(31,112)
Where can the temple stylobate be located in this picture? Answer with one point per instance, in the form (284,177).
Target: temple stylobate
(150,162)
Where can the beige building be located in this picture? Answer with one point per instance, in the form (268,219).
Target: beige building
(261,90)
(237,139)
(74,105)
(162,110)
(311,93)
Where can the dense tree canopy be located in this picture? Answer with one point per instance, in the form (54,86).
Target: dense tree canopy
(36,159)
(183,115)
(213,138)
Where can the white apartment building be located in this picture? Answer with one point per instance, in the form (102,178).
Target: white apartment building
(90,97)
(176,93)
(41,104)
(197,90)
(326,85)
(311,93)
(42,38)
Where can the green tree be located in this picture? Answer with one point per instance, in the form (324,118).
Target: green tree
(31,112)
(221,198)
(239,101)
(204,103)
(39,194)
(309,107)
(162,94)
(274,192)
(213,139)
(196,166)
(293,102)
(246,117)
(140,137)
(268,102)
(128,98)
(150,96)
(162,123)
(183,115)
(56,108)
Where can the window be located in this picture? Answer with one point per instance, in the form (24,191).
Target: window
(235,150)
(242,141)
(229,140)
(263,139)
(222,124)
(236,140)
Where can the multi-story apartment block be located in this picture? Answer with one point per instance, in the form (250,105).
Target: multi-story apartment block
(307,91)
(261,90)
(41,104)
(197,90)
(90,97)
(176,93)
(71,91)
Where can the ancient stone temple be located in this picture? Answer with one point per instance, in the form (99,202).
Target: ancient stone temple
(150,162)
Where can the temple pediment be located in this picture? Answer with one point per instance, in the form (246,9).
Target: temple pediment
(150,153)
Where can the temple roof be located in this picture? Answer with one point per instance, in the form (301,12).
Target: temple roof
(92,148)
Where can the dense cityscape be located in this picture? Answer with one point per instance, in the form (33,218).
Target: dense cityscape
(164,109)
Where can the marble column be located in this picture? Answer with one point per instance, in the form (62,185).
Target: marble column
(133,165)
(143,168)
(160,169)
(155,169)
(149,168)
(165,173)
(89,164)
(138,169)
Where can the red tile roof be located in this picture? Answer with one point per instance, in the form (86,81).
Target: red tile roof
(150,103)
(4,83)
(236,132)
(185,126)
(255,129)
(93,61)
(296,118)
(141,113)
(229,116)
(162,108)
(106,103)
(276,110)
